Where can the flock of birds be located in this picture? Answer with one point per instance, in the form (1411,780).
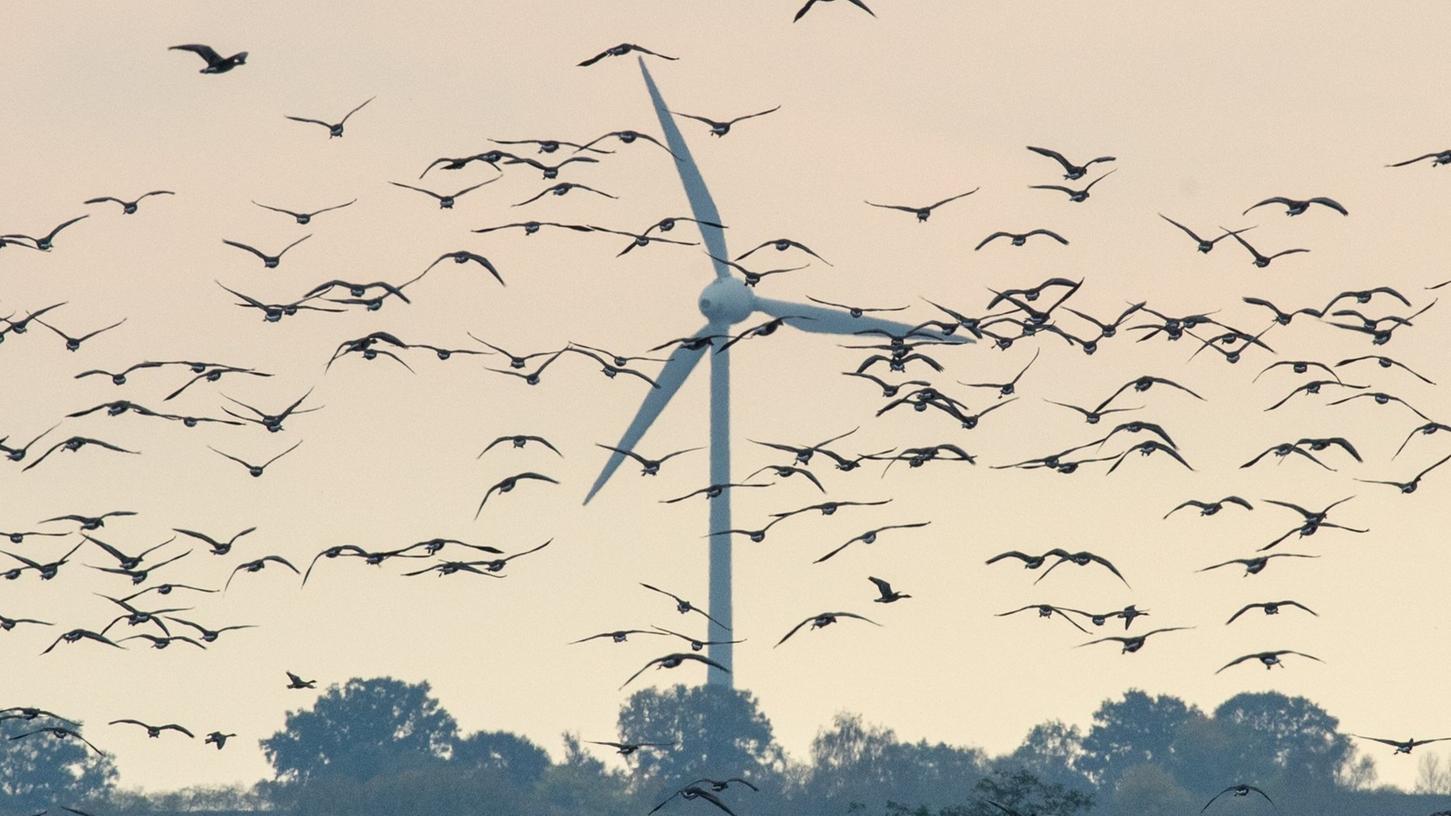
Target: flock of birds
(1043,313)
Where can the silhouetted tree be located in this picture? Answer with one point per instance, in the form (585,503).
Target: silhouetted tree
(1134,730)
(1023,791)
(1294,734)
(41,771)
(1053,751)
(361,730)
(1149,790)
(517,758)
(852,762)
(718,732)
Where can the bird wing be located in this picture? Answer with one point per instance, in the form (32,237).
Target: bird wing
(210,54)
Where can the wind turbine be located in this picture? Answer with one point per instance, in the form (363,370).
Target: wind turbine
(725,301)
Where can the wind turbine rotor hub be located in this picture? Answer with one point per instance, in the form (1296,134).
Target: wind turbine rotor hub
(727,300)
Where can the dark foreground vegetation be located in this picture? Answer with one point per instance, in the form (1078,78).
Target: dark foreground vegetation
(385,747)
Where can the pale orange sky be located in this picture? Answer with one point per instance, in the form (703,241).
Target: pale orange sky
(1208,112)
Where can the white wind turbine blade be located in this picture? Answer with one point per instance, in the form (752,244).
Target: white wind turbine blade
(670,378)
(836,321)
(702,206)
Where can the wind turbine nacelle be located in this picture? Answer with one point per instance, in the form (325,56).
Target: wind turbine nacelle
(727,300)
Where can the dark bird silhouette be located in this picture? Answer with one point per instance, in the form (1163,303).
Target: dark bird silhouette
(1312,387)
(255,470)
(334,129)
(295,682)
(209,635)
(1073,195)
(1142,384)
(1281,317)
(648,467)
(75,443)
(1437,159)
(445,201)
(672,661)
(551,171)
(74,343)
(617,636)
(627,137)
(621,50)
(1046,611)
(305,217)
(1255,565)
(1402,746)
(216,63)
(463,256)
(1020,238)
(507,484)
(885,592)
(1385,362)
(1071,171)
(1146,449)
(218,739)
(627,748)
(822,620)
(47,571)
(268,261)
(683,606)
(1268,659)
(1133,643)
(76,635)
(259,564)
(1408,487)
(925,212)
(1006,389)
(721,128)
(1241,791)
(46,242)
(1269,608)
(1260,259)
(154,731)
(809,3)
(1082,559)
(1295,206)
(870,537)
(518,441)
(562,189)
(1205,245)
(1210,508)
(695,644)
(128,207)
(60,733)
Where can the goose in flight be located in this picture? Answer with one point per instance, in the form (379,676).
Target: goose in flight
(1295,206)
(1402,746)
(1270,608)
(1071,171)
(1240,791)
(627,748)
(1268,659)
(923,213)
(683,606)
(821,620)
(1133,643)
(334,129)
(672,661)
(861,4)
(154,731)
(1209,508)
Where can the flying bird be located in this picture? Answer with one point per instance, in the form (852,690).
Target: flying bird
(508,484)
(216,63)
(925,212)
(621,50)
(1270,608)
(1071,171)
(255,471)
(268,261)
(823,619)
(672,661)
(1268,659)
(128,207)
(335,129)
(445,201)
(1020,238)
(305,217)
(1240,791)
(718,128)
(1294,206)
(809,3)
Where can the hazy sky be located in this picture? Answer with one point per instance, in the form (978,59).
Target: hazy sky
(1207,112)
